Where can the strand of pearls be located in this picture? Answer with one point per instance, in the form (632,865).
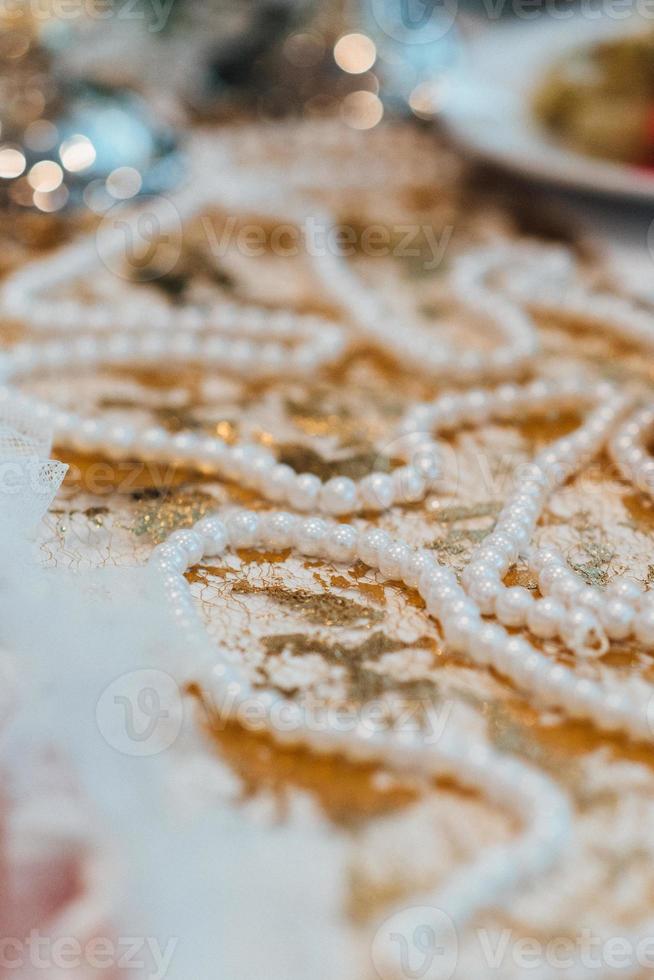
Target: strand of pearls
(574,620)
(628,449)
(620,611)
(540,805)
(249,464)
(577,611)
(250,357)
(489,644)
(27,294)
(416,348)
(579,624)
(546,280)
(25,298)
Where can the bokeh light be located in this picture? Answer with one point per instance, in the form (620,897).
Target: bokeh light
(355,53)
(45,176)
(362,110)
(124,182)
(424,100)
(12,162)
(77,153)
(50,201)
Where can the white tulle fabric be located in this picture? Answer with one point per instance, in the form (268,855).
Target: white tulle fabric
(92,841)
(29,479)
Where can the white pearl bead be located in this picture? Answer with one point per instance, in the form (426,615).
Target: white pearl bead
(436,577)
(304,491)
(119,439)
(214,535)
(341,543)
(392,558)
(415,564)
(427,461)
(644,627)
(169,556)
(438,598)
(626,589)
(617,618)
(278,529)
(310,535)
(463,606)
(243,529)
(280,481)
(590,598)
(189,541)
(459,630)
(339,496)
(409,484)
(376,491)
(370,543)
(512,605)
(88,434)
(252,463)
(490,644)
(491,557)
(567,587)
(549,574)
(484,592)
(544,617)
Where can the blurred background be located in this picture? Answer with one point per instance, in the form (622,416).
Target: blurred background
(98,96)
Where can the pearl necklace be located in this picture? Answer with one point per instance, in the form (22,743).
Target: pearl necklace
(537,801)
(24,297)
(629,451)
(552,685)
(25,294)
(249,464)
(546,281)
(559,614)
(416,348)
(583,616)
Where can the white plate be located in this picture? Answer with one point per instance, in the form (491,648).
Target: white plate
(487,103)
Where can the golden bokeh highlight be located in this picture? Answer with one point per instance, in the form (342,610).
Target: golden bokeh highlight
(355,53)
(362,110)
(45,176)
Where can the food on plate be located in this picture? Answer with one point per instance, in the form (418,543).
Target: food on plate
(599,100)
